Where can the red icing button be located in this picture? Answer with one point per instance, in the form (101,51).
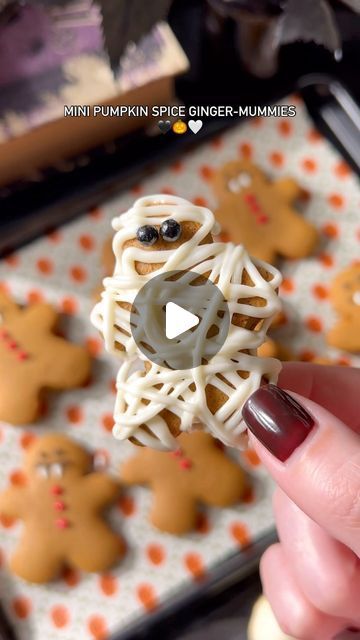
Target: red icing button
(4,334)
(22,355)
(59,505)
(177,454)
(185,464)
(263,219)
(12,345)
(56,490)
(62,523)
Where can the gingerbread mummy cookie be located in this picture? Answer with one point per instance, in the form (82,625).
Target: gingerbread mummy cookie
(198,472)
(61,508)
(156,404)
(345,298)
(259,213)
(33,358)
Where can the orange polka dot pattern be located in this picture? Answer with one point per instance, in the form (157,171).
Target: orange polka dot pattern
(64,269)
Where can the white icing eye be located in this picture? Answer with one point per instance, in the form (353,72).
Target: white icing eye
(234,186)
(356,298)
(42,470)
(244,179)
(239,182)
(57,469)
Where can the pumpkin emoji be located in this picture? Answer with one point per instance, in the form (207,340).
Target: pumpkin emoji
(179,127)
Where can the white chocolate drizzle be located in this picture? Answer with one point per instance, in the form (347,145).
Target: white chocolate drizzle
(139,402)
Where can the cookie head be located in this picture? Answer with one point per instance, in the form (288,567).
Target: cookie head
(149,234)
(237,177)
(345,291)
(55,457)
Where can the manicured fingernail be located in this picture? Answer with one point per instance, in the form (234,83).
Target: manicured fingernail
(277,420)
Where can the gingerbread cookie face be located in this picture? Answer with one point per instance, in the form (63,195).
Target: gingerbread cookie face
(61,507)
(161,234)
(55,456)
(345,297)
(33,358)
(198,472)
(259,213)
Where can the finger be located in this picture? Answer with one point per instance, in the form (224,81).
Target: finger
(335,388)
(327,572)
(312,456)
(295,614)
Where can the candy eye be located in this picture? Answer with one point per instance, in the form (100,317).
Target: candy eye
(356,298)
(42,470)
(244,179)
(57,469)
(170,230)
(239,182)
(234,186)
(147,235)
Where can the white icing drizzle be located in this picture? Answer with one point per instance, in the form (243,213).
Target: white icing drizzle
(138,401)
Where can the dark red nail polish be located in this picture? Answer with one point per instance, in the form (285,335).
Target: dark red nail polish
(277,420)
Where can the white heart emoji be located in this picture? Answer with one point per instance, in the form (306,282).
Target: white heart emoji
(195,125)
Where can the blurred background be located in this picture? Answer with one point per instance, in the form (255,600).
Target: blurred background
(190,51)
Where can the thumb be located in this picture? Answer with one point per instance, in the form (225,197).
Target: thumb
(312,455)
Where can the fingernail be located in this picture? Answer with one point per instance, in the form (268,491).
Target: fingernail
(277,420)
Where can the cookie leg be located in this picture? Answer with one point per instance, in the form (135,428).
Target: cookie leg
(173,511)
(96,550)
(13,411)
(35,561)
(298,238)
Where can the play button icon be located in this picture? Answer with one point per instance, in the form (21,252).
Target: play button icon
(179,320)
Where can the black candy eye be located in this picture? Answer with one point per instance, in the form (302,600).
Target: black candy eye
(147,235)
(170,230)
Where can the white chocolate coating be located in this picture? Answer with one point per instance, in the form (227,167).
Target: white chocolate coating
(223,264)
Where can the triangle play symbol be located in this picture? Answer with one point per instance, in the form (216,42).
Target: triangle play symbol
(178,320)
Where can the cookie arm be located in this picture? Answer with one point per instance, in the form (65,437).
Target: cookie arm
(42,316)
(112,319)
(8,308)
(288,187)
(136,470)
(100,489)
(67,366)
(12,501)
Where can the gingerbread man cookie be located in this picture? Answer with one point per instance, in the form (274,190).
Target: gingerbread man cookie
(345,297)
(33,358)
(163,233)
(198,472)
(259,212)
(61,507)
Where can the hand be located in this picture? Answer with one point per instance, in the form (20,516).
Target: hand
(310,444)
